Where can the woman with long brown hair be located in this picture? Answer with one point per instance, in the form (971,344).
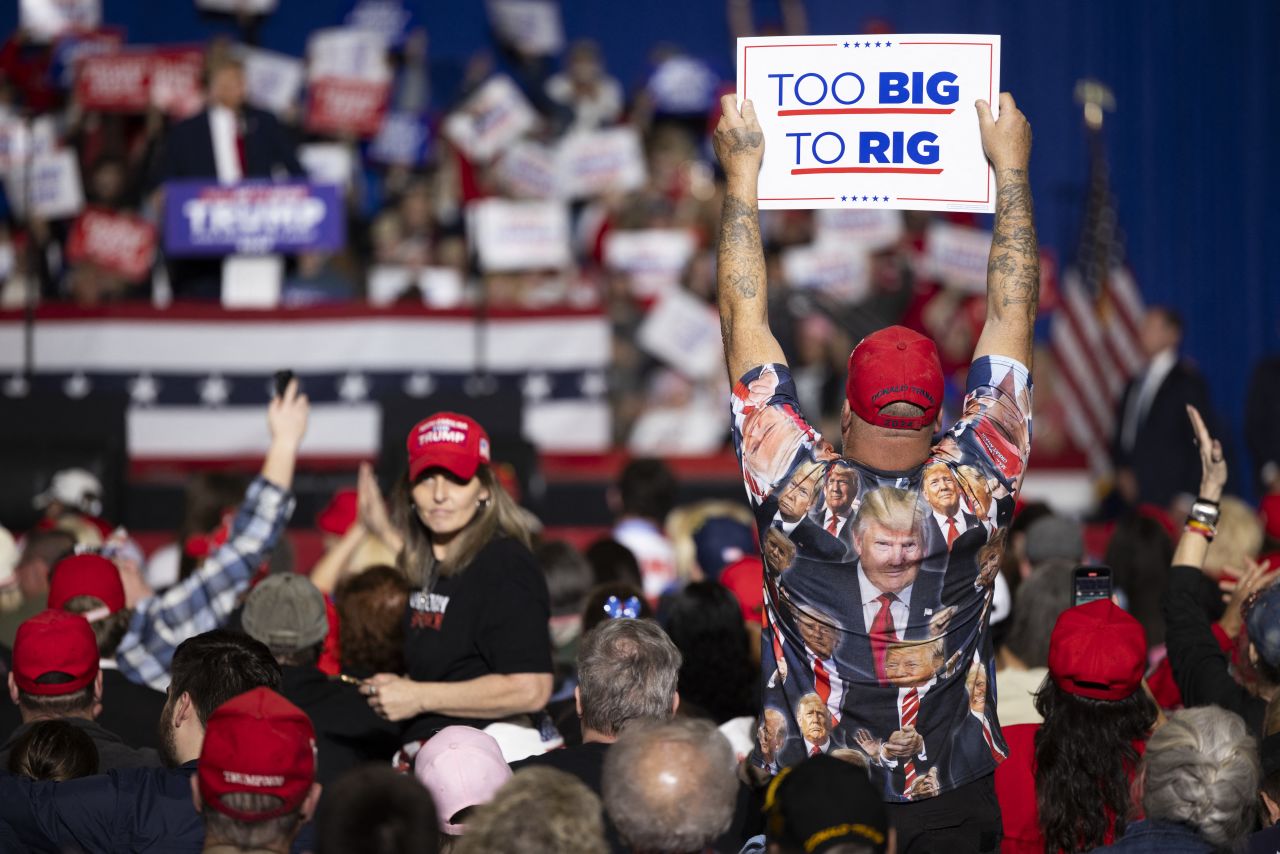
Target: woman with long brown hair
(476,645)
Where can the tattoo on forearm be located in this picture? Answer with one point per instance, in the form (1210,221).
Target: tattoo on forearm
(1013,269)
(740,259)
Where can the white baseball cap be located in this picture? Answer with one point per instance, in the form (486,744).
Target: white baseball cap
(75,488)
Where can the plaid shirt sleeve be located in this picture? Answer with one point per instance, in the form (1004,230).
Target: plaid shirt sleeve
(204,600)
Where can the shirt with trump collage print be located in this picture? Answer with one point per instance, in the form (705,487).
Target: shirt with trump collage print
(878,585)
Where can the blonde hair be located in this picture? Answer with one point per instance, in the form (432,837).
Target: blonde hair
(1239,536)
(895,509)
(499,516)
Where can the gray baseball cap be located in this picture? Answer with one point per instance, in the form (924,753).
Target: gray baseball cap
(1053,537)
(286,612)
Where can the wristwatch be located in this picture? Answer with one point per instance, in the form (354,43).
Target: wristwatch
(1204,512)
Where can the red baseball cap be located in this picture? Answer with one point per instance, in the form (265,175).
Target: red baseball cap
(54,641)
(257,742)
(894,365)
(86,575)
(1097,650)
(449,441)
(340,513)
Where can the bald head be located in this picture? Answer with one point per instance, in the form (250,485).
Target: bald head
(670,787)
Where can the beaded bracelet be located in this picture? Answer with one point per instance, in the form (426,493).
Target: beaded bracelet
(1195,526)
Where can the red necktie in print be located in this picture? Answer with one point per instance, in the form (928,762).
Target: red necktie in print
(996,753)
(821,680)
(952,532)
(883,633)
(815,750)
(831,526)
(910,709)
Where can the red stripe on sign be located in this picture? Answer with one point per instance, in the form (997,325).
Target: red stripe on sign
(878,170)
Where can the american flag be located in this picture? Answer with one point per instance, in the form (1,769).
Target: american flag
(1094,334)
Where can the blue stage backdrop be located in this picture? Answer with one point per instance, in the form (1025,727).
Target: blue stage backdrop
(1197,87)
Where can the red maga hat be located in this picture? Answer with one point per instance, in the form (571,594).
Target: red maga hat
(257,742)
(51,642)
(86,575)
(1097,650)
(895,365)
(447,440)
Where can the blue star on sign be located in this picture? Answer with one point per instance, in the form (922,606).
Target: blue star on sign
(875,198)
(877,44)
(844,198)
(888,44)
(846,44)
(864,198)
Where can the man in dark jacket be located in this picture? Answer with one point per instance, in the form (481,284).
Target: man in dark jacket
(144,809)
(55,676)
(227,142)
(1152,450)
(287,613)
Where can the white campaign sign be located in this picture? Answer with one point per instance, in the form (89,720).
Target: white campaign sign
(328,163)
(527,170)
(45,20)
(495,116)
(684,332)
(272,80)
(532,25)
(599,162)
(958,255)
(882,122)
(516,236)
(347,53)
(874,229)
(839,270)
(654,258)
(55,185)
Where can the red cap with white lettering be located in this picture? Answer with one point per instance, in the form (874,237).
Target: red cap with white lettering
(447,440)
(257,742)
(895,365)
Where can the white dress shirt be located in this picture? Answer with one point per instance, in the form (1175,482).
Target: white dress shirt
(223,128)
(1140,401)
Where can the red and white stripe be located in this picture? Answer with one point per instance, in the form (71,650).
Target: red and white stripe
(1096,348)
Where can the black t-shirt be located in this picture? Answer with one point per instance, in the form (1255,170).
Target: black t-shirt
(489,618)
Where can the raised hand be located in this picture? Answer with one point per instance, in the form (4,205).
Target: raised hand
(1006,141)
(1213,464)
(287,416)
(738,140)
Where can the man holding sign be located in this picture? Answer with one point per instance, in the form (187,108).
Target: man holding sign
(902,582)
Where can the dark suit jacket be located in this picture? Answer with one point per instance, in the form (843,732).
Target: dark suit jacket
(1164,458)
(970,522)
(130,710)
(348,731)
(813,541)
(188,150)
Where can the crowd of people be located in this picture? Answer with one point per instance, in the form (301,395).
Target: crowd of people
(881,649)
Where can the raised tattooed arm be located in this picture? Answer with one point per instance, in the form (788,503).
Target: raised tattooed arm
(1013,268)
(741,289)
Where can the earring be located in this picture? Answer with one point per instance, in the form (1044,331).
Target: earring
(482,502)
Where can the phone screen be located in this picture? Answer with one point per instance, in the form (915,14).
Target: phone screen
(1090,584)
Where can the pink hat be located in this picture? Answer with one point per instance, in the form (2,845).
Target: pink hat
(461,767)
